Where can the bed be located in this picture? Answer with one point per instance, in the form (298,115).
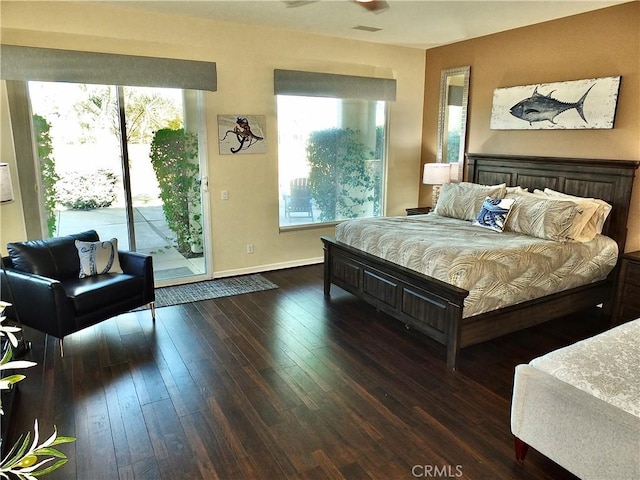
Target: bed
(436,308)
(580,405)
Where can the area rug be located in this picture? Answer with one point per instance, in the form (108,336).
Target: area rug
(222,287)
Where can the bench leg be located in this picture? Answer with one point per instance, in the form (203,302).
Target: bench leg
(521,449)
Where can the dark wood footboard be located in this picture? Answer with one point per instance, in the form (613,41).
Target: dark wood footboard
(424,303)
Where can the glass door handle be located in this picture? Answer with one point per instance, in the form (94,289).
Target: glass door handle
(204,183)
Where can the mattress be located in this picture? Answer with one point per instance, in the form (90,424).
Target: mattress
(497,268)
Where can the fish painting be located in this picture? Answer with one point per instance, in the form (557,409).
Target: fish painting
(589,103)
(539,107)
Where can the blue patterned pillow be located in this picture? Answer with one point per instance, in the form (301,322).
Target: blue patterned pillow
(98,257)
(494,213)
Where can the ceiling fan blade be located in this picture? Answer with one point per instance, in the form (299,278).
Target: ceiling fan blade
(298,3)
(375,6)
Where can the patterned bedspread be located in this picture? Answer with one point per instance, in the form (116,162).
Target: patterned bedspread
(498,269)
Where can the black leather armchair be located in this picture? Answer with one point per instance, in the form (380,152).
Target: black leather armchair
(48,295)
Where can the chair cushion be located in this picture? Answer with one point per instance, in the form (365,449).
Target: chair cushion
(98,257)
(50,257)
(96,291)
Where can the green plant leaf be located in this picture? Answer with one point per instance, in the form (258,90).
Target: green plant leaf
(11,379)
(60,440)
(48,451)
(50,469)
(17,451)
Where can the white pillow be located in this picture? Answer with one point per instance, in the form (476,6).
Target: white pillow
(98,257)
(603,209)
(542,217)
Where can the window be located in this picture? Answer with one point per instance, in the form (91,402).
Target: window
(123,189)
(118,142)
(331,147)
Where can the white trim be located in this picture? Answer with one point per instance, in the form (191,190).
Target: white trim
(269,267)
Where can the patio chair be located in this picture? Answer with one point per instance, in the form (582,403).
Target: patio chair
(299,200)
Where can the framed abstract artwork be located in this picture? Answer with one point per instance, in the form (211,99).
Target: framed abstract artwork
(576,104)
(241,134)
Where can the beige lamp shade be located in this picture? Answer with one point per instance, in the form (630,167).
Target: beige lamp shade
(436,174)
(6,190)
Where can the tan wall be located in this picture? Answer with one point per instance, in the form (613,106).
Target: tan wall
(245,57)
(11,218)
(597,44)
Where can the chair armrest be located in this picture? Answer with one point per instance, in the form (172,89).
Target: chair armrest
(139,265)
(134,263)
(40,302)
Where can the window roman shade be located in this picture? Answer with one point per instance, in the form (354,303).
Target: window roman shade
(52,65)
(312,84)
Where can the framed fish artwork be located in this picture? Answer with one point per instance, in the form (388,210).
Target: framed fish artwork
(575,104)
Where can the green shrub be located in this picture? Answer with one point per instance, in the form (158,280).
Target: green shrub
(87,190)
(174,156)
(340,177)
(48,174)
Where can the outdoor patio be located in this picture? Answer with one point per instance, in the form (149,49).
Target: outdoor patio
(152,234)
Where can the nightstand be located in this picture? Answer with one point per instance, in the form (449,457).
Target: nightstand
(418,210)
(627,299)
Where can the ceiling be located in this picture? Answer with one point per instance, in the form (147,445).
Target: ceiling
(419,24)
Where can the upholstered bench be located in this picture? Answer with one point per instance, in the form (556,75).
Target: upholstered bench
(580,405)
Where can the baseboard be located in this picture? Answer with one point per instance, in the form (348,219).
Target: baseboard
(269,267)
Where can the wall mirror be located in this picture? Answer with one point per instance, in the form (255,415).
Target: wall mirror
(452,119)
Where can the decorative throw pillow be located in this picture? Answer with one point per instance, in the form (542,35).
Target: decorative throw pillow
(463,200)
(494,213)
(534,215)
(98,257)
(581,230)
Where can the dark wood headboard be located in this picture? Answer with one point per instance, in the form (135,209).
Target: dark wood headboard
(609,180)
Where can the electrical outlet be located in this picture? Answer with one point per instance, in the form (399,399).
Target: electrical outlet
(249,247)
(224,195)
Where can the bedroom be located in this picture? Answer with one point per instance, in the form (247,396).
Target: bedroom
(516,57)
(558,50)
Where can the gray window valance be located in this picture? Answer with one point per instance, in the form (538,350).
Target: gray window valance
(53,65)
(313,84)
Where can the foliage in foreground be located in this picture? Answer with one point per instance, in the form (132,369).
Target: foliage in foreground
(27,459)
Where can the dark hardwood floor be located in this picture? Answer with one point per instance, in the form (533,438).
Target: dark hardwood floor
(281,384)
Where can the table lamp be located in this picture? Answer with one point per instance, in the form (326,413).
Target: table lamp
(436,174)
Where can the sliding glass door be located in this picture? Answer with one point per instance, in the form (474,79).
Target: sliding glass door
(125,161)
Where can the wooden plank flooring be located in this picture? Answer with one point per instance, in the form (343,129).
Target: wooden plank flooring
(281,384)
